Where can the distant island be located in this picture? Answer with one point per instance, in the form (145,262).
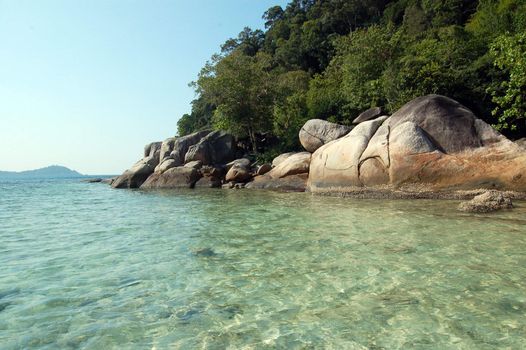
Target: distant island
(53,171)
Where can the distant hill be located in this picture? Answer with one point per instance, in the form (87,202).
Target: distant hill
(53,171)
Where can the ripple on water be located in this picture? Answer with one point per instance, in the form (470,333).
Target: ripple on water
(85,266)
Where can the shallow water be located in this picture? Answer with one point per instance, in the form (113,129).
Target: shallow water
(85,266)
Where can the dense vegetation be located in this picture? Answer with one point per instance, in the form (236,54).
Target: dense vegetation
(332,59)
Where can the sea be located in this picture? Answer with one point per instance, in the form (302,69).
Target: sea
(85,266)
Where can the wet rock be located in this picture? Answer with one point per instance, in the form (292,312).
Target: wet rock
(208,182)
(487,202)
(291,183)
(95,180)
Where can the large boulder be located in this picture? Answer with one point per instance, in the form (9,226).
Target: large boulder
(151,148)
(295,164)
(279,159)
(433,142)
(181,145)
(179,177)
(139,172)
(218,147)
(168,163)
(316,132)
(239,171)
(450,125)
(338,162)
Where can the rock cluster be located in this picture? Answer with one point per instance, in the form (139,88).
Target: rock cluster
(208,160)
(432,143)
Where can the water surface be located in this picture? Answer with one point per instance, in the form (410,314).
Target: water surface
(84,266)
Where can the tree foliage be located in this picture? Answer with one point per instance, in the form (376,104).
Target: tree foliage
(331,59)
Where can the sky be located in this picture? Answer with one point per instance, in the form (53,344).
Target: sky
(87,83)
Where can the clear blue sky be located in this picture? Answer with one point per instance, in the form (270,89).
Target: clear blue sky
(86,83)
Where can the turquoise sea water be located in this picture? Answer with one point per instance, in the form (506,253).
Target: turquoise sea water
(84,266)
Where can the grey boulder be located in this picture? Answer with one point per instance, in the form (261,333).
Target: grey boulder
(371,113)
(316,133)
(218,147)
(178,177)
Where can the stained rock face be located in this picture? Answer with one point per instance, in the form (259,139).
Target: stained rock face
(178,177)
(432,141)
(487,202)
(316,132)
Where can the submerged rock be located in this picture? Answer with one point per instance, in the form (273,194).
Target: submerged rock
(487,202)
(291,183)
(316,132)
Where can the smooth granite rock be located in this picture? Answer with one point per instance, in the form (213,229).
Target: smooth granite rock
(178,177)
(316,132)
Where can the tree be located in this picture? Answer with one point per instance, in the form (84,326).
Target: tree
(509,52)
(241,88)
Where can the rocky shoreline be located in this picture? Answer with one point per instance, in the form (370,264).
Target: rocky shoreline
(432,148)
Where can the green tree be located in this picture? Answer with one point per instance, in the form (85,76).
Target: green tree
(509,52)
(241,88)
